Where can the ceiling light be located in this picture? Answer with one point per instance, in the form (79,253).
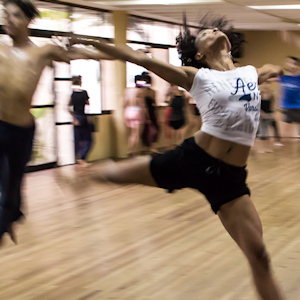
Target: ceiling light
(156,2)
(270,7)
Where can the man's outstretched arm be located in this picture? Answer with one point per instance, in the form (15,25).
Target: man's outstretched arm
(85,53)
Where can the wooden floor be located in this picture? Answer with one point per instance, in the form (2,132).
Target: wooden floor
(136,243)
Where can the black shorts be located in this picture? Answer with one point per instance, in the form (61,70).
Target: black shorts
(190,166)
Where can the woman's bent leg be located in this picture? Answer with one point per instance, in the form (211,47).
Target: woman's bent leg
(242,222)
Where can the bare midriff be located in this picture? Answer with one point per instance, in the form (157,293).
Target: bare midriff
(229,152)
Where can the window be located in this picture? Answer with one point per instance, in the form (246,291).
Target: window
(152,31)
(44,146)
(132,69)
(52,17)
(89,70)
(174,58)
(92,23)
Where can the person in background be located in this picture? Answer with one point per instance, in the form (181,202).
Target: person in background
(151,128)
(83,127)
(267,119)
(289,90)
(178,116)
(134,116)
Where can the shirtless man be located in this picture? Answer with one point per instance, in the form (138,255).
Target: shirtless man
(20,70)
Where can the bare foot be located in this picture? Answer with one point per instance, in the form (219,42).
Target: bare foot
(278,144)
(261,151)
(12,233)
(84,164)
(81,162)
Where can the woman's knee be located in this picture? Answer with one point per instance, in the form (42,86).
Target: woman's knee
(259,256)
(106,172)
(113,177)
(113,173)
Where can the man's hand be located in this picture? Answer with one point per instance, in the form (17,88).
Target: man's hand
(58,53)
(76,122)
(75,40)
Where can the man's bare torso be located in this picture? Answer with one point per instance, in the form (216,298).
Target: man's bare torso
(20,71)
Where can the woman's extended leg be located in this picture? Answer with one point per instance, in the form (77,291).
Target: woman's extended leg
(242,222)
(136,170)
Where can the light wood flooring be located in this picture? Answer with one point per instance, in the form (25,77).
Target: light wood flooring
(103,242)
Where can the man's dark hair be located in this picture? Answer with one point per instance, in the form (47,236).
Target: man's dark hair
(28,8)
(144,77)
(186,42)
(76,80)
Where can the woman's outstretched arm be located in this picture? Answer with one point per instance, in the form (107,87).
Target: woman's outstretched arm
(181,76)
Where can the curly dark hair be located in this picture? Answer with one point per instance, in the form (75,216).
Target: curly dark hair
(144,77)
(186,45)
(27,6)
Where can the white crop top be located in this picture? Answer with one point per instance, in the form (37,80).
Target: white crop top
(229,103)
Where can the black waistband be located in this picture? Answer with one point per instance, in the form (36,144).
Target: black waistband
(16,127)
(211,159)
